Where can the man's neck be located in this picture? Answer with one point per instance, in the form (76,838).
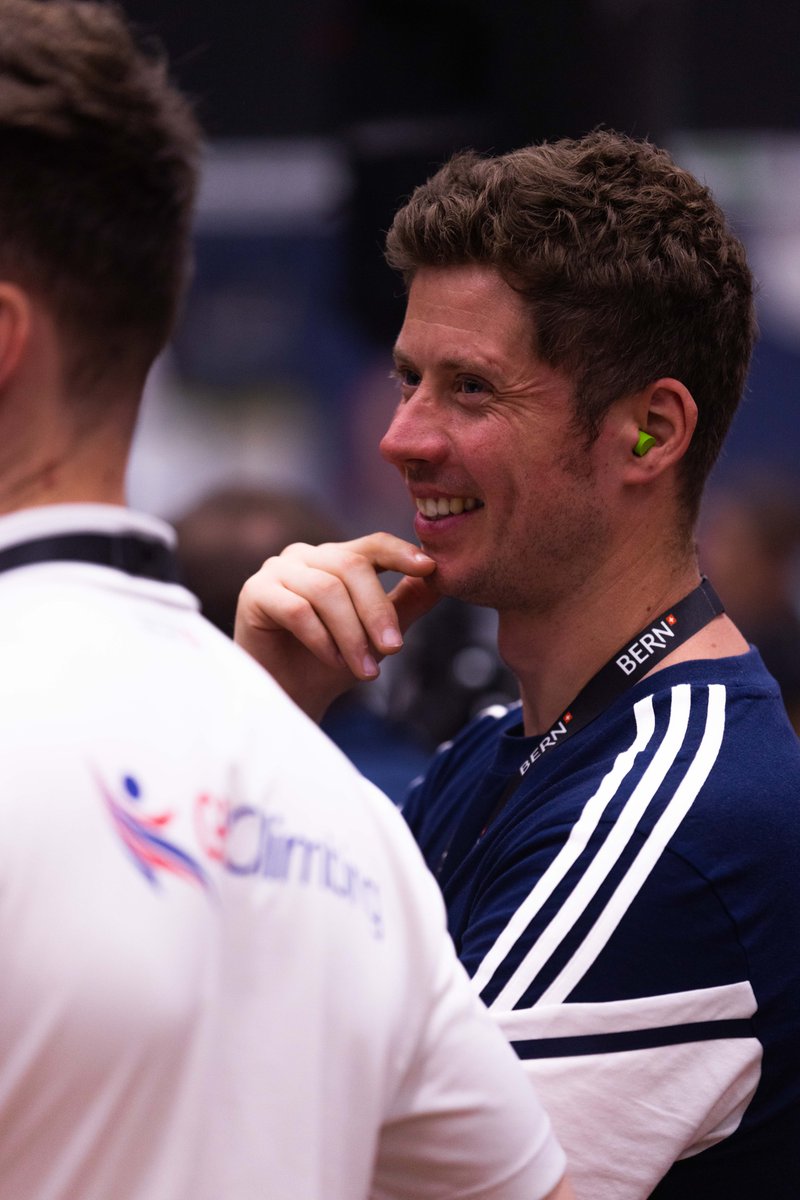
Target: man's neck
(67,468)
(47,484)
(58,448)
(554,655)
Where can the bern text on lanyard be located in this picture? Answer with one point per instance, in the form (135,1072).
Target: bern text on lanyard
(625,668)
(631,663)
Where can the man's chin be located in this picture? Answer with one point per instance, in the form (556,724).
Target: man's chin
(459,586)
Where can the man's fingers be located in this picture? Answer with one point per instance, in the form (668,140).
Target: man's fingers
(341,583)
(382,621)
(384,552)
(354,609)
(331,600)
(313,606)
(276,608)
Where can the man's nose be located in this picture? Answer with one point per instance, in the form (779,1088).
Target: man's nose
(415,433)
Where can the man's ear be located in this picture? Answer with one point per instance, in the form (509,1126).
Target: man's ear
(659,426)
(15,328)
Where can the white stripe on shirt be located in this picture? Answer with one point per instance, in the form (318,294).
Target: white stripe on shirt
(572,849)
(634,878)
(617,841)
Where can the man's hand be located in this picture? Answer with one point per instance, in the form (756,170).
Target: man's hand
(318,619)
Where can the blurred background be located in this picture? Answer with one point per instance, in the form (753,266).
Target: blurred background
(322,115)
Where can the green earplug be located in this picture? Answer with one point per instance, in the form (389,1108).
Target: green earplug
(643,443)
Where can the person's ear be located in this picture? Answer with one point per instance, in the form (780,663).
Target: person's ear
(15,326)
(658,428)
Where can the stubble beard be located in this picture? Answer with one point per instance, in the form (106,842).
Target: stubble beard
(559,555)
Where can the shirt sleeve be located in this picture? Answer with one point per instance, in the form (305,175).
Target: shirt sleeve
(465,1122)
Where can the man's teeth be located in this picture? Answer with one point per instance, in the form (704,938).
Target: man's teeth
(446,506)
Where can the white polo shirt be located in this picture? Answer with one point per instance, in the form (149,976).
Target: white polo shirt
(225,970)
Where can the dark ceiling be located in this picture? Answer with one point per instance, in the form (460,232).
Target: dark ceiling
(511,71)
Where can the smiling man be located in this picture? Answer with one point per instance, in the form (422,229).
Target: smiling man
(618,852)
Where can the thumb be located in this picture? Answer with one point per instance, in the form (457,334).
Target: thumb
(412,598)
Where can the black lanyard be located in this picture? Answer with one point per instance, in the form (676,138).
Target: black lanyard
(625,668)
(134,554)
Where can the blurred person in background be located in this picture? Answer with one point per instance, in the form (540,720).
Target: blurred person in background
(618,851)
(449,672)
(226,970)
(749,542)
(225,535)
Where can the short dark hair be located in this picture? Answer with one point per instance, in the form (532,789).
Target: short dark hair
(99,159)
(627,261)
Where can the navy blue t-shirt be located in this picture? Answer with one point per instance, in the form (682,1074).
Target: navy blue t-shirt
(631,915)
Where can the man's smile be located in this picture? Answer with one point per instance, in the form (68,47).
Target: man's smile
(436,507)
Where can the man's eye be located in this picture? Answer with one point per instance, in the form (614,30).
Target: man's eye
(407,377)
(472,387)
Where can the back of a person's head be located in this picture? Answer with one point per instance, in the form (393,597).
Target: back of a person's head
(99,156)
(629,266)
(225,536)
(749,541)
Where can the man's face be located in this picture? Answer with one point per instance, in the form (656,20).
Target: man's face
(506,493)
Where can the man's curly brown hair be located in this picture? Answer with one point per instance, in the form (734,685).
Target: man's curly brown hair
(627,261)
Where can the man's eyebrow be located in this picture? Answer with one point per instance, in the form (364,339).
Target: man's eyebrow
(472,366)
